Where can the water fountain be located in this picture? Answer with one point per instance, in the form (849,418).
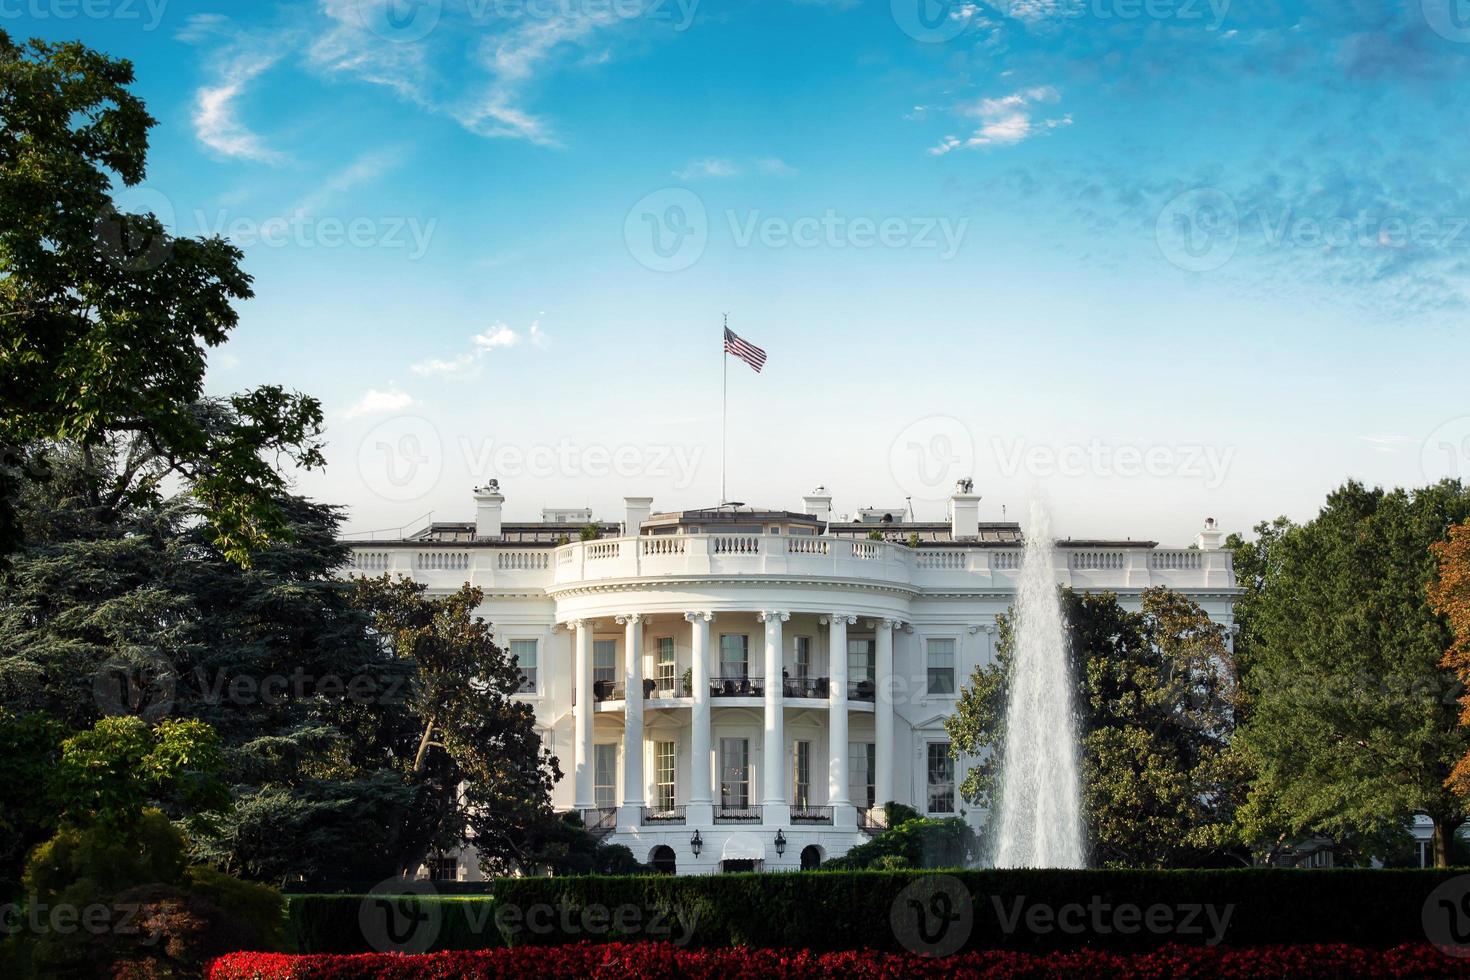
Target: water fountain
(1038,821)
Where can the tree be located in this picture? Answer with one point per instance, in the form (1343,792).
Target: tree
(476,761)
(1155,698)
(1351,725)
(1449,596)
(105,318)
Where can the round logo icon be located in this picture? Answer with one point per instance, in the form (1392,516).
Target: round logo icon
(401,915)
(1450,19)
(1199,230)
(933,21)
(1446,453)
(1446,916)
(930,455)
(401,458)
(142,686)
(933,916)
(134,233)
(666,231)
(401,21)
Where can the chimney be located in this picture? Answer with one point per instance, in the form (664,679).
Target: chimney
(818,504)
(964,512)
(1209,539)
(488,501)
(637,510)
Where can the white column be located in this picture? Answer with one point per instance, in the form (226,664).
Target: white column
(883,714)
(700,810)
(632,721)
(774,804)
(582,713)
(843,814)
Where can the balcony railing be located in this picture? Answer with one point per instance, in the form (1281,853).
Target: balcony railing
(737,814)
(666,815)
(806,687)
(872,819)
(862,690)
(600,821)
(737,686)
(811,814)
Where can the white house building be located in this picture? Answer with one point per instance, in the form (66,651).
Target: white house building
(736,688)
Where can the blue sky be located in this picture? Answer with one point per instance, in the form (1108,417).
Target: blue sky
(1150,259)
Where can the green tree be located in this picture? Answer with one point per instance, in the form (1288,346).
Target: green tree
(105,319)
(1155,699)
(1352,718)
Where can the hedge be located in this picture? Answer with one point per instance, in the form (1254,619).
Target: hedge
(662,961)
(1010,909)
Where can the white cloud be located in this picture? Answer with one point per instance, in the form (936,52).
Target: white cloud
(1005,121)
(375,402)
(468,364)
(365,169)
(240,61)
(1386,444)
(719,168)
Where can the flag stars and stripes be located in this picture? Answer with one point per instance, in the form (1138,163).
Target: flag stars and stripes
(745,350)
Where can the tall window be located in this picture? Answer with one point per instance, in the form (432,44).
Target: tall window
(667,665)
(524,653)
(801,771)
(941,778)
(941,665)
(605,785)
(605,660)
(443,868)
(861,765)
(663,753)
(803,658)
(734,656)
(735,773)
(859,660)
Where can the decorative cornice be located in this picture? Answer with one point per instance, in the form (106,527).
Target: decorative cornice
(625,618)
(772,615)
(690,617)
(646,584)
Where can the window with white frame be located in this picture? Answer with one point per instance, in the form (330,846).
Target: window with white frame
(803,657)
(940,655)
(443,868)
(861,765)
(524,654)
(735,773)
(666,670)
(605,660)
(860,660)
(605,775)
(801,771)
(940,778)
(663,757)
(734,656)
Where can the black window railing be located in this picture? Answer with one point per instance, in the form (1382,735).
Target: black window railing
(726,813)
(811,814)
(600,820)
(806,687)
(737,686)
(862,690)
(663,814)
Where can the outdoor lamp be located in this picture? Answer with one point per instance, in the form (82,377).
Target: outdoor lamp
(696,842)
(780,843)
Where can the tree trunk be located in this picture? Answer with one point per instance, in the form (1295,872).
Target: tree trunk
(1444,835)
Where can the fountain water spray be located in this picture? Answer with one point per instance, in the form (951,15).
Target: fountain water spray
(1039,805)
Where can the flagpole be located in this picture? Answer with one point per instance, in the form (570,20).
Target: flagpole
(724,404)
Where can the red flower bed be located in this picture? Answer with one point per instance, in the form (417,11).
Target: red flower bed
(655,961)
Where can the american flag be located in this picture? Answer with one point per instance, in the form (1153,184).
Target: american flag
(745,350)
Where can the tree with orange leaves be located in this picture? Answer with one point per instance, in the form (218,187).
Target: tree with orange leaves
(1449,596)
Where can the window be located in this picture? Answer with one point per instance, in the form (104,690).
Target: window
(524,654)
(663,754)
(605,775)
(860,660)
(734,656)
(801,770)
(443,869)
(861,764)
(667,666)
(604,661)
(735,773)
(941,778)
(941,665)
(803,658)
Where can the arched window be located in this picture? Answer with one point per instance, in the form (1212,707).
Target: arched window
(811,857)
(662,859)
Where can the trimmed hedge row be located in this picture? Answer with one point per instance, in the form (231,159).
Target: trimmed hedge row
(1013,909)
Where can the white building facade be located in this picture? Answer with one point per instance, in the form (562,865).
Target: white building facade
(760,681)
